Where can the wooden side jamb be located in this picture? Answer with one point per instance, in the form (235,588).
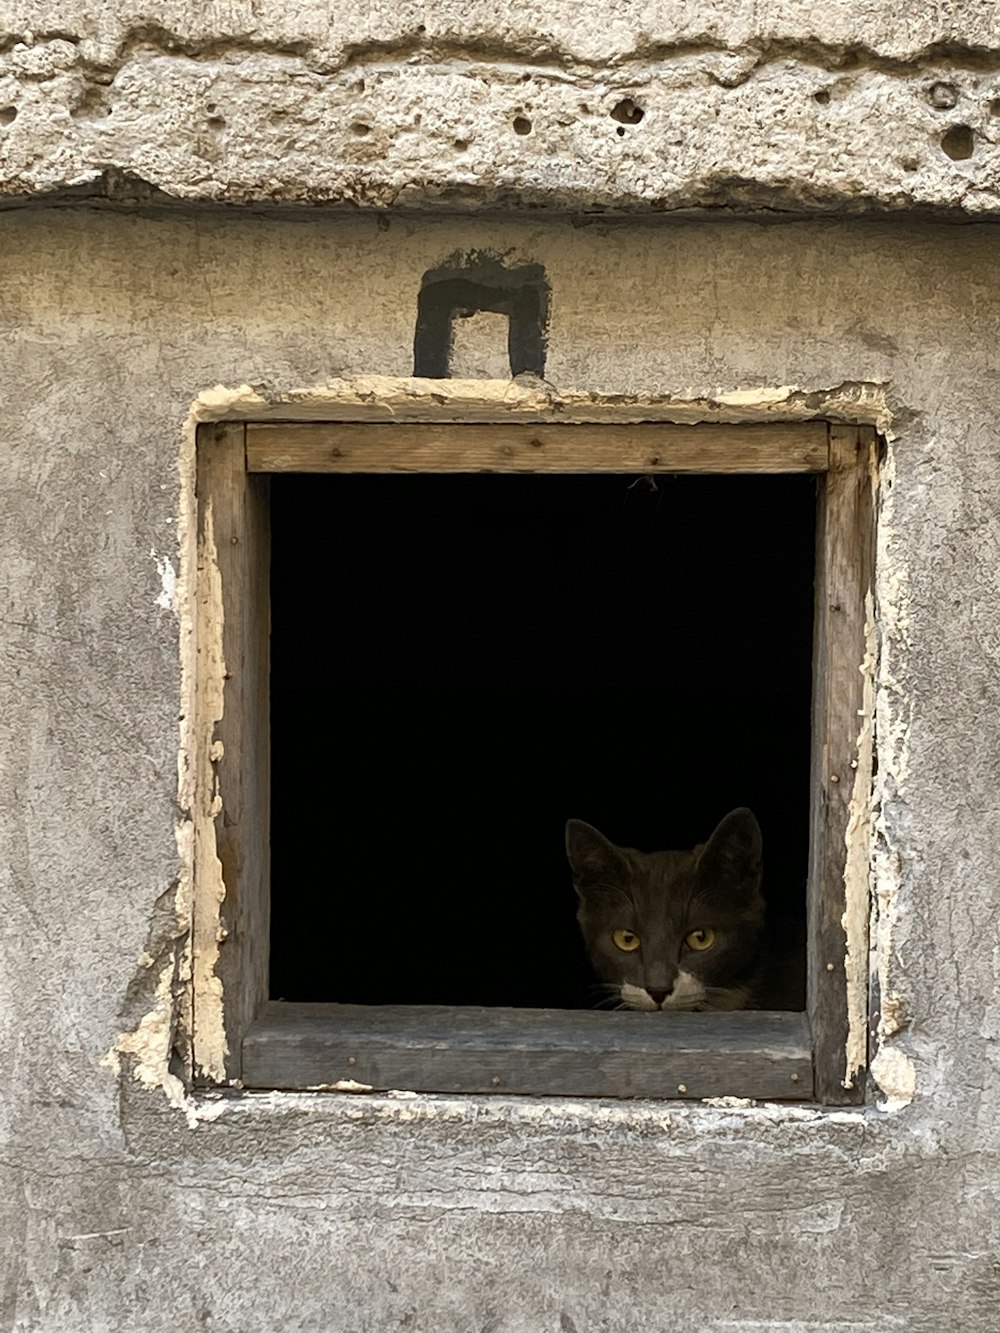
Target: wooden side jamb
(841,767)
(232,895)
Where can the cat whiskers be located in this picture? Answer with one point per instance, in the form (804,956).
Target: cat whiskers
(610,996)
(724,999)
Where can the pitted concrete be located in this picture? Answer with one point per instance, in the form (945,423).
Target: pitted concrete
(571,106)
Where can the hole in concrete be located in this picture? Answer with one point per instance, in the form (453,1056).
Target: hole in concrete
(627,112)
(522,125)
(620,131)
(359,128)
(460,145)
(995,107)
(8,115)
(822,97)
(216,123)
(91,106)
(943,96)
(958,142)
(909,164)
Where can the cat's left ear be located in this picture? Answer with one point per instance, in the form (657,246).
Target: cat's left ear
(593,858)
(732,857)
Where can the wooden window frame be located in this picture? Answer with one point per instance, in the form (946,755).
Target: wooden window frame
(812,1056)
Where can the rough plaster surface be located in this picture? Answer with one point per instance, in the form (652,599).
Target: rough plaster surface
(744,104)
(334,1212)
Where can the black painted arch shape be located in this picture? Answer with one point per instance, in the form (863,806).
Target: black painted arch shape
(522,294)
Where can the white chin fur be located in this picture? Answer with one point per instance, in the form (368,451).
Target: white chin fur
(636,998)
(687,993)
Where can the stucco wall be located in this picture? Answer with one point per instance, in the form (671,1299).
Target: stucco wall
(122,1209)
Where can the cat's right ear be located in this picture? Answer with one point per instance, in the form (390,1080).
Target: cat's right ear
(594,860)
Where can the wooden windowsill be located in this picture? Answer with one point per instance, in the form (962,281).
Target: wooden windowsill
(424,1048)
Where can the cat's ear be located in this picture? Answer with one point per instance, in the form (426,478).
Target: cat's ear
(593,858)
(731,859)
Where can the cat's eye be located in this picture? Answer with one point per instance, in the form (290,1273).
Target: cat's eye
(700,940)
(626,940)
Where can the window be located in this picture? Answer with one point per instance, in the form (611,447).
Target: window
(379,751)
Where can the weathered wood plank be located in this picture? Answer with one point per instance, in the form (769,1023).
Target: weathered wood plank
(844,560)
(234,540)
(516,447)
(530,1051)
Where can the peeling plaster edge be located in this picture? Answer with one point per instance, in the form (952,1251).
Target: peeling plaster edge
(548,1113)
(893,1071)
(399,398)
(371,397)
(859,833)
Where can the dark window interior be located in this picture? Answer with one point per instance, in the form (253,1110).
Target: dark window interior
(460,663)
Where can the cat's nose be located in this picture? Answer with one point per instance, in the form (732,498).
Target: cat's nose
(657,996)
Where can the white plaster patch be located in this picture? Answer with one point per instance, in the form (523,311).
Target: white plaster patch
(167,596)
(150,1040)
(895,1076)
(341,1085)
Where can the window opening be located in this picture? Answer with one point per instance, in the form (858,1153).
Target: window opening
(474,659)
(463,657)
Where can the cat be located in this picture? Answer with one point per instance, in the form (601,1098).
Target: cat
(673,930)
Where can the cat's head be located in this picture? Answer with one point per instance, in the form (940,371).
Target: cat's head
(672,930)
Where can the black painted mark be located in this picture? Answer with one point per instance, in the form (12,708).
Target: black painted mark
(475,282)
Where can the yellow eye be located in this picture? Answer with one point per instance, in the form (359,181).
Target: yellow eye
(626,940)
(700,940)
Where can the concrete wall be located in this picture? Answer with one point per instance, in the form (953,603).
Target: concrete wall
(127,1203)
(126,1206)
(786,104)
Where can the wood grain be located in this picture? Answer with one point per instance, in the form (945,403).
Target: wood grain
(530,1051)
(646,448)
(844,558)
(240,527)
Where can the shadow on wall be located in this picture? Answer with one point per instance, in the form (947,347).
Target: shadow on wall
(473,283)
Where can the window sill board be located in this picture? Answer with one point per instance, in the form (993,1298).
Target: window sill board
(534,1052)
